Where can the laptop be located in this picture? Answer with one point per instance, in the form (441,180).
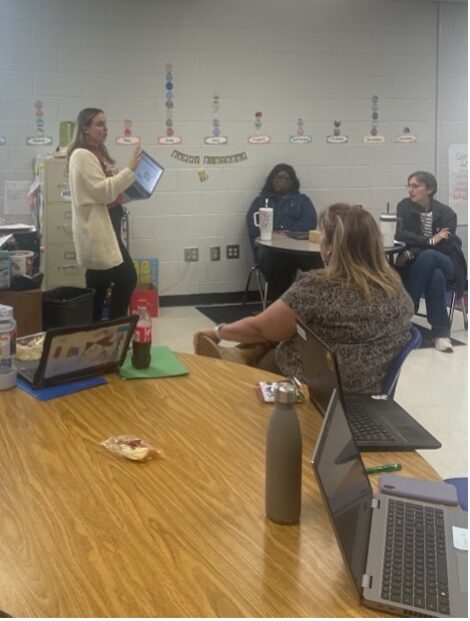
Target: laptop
(298,234)
(75,352)
(377,422)
(148,174)
(406,557)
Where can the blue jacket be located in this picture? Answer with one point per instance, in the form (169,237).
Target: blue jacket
(293,212)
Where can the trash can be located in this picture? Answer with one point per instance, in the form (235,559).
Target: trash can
(67,306)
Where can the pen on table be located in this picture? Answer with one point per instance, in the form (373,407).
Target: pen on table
(384,468)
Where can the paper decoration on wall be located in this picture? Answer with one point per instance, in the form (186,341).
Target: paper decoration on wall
(300,138)
(170,137)
(406,136)
(203,176)
(216,138)
(235,158)
(458,178)
(337,137)
(258,138)
(16,198)
(3,141)
(374,136)
(40,139)
(127,138)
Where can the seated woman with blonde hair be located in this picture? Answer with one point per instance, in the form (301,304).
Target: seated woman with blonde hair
(356,304)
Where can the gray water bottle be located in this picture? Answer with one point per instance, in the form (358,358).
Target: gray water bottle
(284,459)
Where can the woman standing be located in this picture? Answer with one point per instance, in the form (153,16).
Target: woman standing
(292,211)
(96,187)
(433,255)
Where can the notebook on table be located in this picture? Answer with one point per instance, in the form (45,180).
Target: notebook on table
(297,234)
(148,174)
(75,352)
(377,422)
(406,557)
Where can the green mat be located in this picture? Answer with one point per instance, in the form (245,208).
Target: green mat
(164,364)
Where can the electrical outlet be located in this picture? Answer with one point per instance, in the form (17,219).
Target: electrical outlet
(215,253)
(233,251)
(191,254)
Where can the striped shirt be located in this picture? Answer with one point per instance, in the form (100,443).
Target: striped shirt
(426,223)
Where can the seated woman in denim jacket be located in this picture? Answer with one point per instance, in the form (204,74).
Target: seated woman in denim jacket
(293,211)
(433,255)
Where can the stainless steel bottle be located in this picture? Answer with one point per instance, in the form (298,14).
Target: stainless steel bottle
(284,459)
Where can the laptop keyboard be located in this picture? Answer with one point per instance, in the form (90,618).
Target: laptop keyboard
(415,566)
(364,427)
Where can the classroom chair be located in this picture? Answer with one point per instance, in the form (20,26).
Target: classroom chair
(391,380)
(461,485)
(262,285)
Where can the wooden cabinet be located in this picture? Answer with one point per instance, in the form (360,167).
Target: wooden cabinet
(59,261)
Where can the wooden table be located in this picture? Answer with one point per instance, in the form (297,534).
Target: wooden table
(87,534)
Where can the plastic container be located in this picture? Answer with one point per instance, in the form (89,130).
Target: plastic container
(284,459)
(142,341)
(7,348)
(67,306)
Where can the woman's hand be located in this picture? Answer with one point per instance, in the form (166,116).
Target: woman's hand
(440,235)
(209,332)
(133,162)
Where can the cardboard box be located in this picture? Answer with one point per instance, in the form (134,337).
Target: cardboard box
(314,236)
(145,295)
(27,309)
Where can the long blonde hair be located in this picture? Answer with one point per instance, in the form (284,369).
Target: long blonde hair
(79,140)
(357,259)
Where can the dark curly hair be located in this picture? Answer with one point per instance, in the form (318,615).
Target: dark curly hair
(295,183)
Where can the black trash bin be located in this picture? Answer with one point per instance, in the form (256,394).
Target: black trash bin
(67,306)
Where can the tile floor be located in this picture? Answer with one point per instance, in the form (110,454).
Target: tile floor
(432,385)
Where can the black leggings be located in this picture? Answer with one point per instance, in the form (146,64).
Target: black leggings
(123,277)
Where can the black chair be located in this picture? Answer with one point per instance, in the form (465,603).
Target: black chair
(261,282)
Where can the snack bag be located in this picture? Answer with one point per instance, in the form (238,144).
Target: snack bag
(132,448)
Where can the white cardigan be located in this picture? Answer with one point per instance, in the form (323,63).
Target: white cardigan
(91,191)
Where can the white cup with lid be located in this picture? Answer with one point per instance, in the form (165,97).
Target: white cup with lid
(388,225)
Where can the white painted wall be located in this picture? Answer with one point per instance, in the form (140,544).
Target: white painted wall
(316,59)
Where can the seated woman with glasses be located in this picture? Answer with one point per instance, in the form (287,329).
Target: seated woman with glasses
(357,305)
(433,255)
(292,211)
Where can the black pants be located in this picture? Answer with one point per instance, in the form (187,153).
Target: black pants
(122,278)
(279,268)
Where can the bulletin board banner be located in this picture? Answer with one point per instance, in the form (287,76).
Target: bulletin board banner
(458,181)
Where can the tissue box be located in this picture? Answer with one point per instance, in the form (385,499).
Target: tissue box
(147,271)
(145,295)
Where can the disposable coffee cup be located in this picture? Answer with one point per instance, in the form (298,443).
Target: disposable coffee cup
(21,262)
(388,225)
(264,219)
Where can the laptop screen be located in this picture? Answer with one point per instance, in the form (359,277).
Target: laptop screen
(97,346)
(148,172)
(319,366)
(345,487)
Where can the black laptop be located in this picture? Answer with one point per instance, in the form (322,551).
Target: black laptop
(148,174)
(75,352)
(405,557)
(377,422)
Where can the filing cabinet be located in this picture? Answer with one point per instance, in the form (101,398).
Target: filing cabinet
(58,260)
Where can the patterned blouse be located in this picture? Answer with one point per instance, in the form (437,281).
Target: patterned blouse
(364,335)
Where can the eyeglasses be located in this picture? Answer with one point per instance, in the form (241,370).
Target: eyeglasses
(282,177)
(415,186)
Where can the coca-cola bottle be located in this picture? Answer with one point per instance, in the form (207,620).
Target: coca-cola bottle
(142,341)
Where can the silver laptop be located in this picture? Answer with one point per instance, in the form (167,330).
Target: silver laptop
(404,557)
(148,174)
(377,422)
(73,352)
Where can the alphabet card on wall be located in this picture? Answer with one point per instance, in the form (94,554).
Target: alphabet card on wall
(300,137)
(374,136)
(216,138)
(169,138)
(39,139)
(258,137)
(127,138)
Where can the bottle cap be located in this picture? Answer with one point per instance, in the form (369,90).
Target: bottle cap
(284,393)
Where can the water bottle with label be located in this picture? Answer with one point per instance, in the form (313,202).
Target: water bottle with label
(284,459)
(7,348)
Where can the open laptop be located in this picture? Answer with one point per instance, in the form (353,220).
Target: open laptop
(377,422)
(148,174)
(407,557)
(75,352)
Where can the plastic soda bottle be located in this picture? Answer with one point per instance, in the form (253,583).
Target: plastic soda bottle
(142,341)
(7,348)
